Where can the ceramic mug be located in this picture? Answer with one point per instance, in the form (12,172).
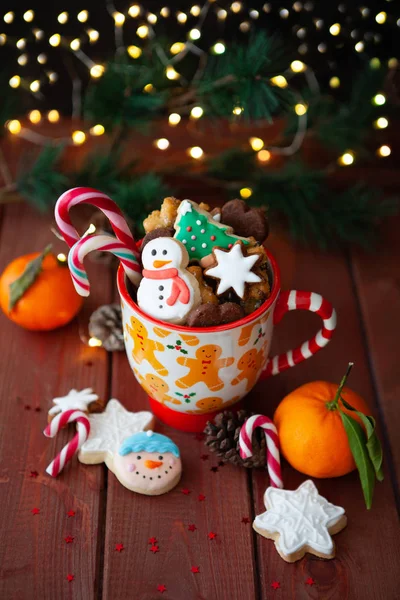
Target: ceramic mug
(190,374)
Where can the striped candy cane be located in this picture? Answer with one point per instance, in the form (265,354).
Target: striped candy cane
(294,300)
(105,243)
(83,429)
(271,436)
(84,195)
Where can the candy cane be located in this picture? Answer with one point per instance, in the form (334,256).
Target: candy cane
(271,435)
(105,243)
(84,195)
(83,429)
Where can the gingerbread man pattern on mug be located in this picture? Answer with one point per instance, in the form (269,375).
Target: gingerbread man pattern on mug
(250,365)
(156,388)
(204,368)
(144,348)
(168,291)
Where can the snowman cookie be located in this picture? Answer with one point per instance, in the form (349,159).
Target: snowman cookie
(148,463)
(167,291)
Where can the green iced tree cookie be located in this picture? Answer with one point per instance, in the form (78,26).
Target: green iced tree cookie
(200,233)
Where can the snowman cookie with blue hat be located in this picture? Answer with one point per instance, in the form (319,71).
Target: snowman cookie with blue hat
(168,291)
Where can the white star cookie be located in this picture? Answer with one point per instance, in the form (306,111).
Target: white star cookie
(109,429)
(300,521)
(233,269)
(74,400)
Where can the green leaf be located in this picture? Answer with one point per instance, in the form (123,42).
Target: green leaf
(25,280)
(373,444)
(183,351)
(357,442)
(170,347)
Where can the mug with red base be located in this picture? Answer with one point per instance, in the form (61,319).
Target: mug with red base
(191,374)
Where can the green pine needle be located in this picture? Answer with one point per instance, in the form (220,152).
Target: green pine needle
(234,162)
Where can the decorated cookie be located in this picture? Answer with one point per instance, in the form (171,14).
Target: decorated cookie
(84,400)
(167,291)
(244,220)
(233,269)
(300,521)
(165,217)
(200,233)
(148,463)
(211,315)
(109,429)
(206,291)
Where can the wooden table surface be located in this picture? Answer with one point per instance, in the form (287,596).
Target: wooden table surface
(238,564)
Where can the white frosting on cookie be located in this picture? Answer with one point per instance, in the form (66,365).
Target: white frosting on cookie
(301,518)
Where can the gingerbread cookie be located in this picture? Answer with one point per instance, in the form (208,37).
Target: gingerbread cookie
(245,221)
(233,268)
(144,348)
(165,217)
(85,400)
(200,233)
(148,463)
(204,368)
(167,291)
(300,521)
(211,315)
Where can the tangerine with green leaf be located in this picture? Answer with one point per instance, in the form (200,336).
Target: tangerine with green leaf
(37,293)
(311,431)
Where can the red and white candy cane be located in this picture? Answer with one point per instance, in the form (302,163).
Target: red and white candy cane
(105,243)
(294,300)
(82,432)
(271,436)
(84,195)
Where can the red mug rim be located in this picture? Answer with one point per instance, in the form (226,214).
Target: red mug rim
(251,317)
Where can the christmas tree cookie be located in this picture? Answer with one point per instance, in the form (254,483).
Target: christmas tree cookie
(200,233)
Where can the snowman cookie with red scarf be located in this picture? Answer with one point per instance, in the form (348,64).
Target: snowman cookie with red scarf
(168,291)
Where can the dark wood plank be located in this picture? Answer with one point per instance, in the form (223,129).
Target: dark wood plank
(132,519)
(36,367)
(358,571)
(377,276)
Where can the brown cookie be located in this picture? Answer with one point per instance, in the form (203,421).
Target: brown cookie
(257,293)
(165,217)
(156,233)
(206,291)
(244,220)
(212,315)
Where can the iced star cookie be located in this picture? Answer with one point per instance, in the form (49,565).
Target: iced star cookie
(148,463)
(85,400)
(300,521)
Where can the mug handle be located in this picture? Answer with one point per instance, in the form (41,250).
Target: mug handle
(298,300)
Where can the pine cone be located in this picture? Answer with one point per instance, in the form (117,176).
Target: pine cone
(222,437)
(106,325)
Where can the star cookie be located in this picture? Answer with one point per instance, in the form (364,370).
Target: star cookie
(300,521)
(109,429)
(85,400)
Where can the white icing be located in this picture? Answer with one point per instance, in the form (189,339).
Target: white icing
(109,429)
(185,207)
(234,270)
(153,293)
(217,217)
(301,518)
(74,400)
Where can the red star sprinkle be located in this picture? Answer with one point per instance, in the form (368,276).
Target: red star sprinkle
(214,469)
(275,585)
(204,457)
(221,463)
(192,527)
(211,535)
(119,547)
(199,437)
(34,474)
(245,520)
(195,569)
(69,539)
(35,511)
(201,497)
(185,491)
(161,588)
(154,549)
(310,581)
(71,513)
(153,540)
(27,407)
(70,577)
